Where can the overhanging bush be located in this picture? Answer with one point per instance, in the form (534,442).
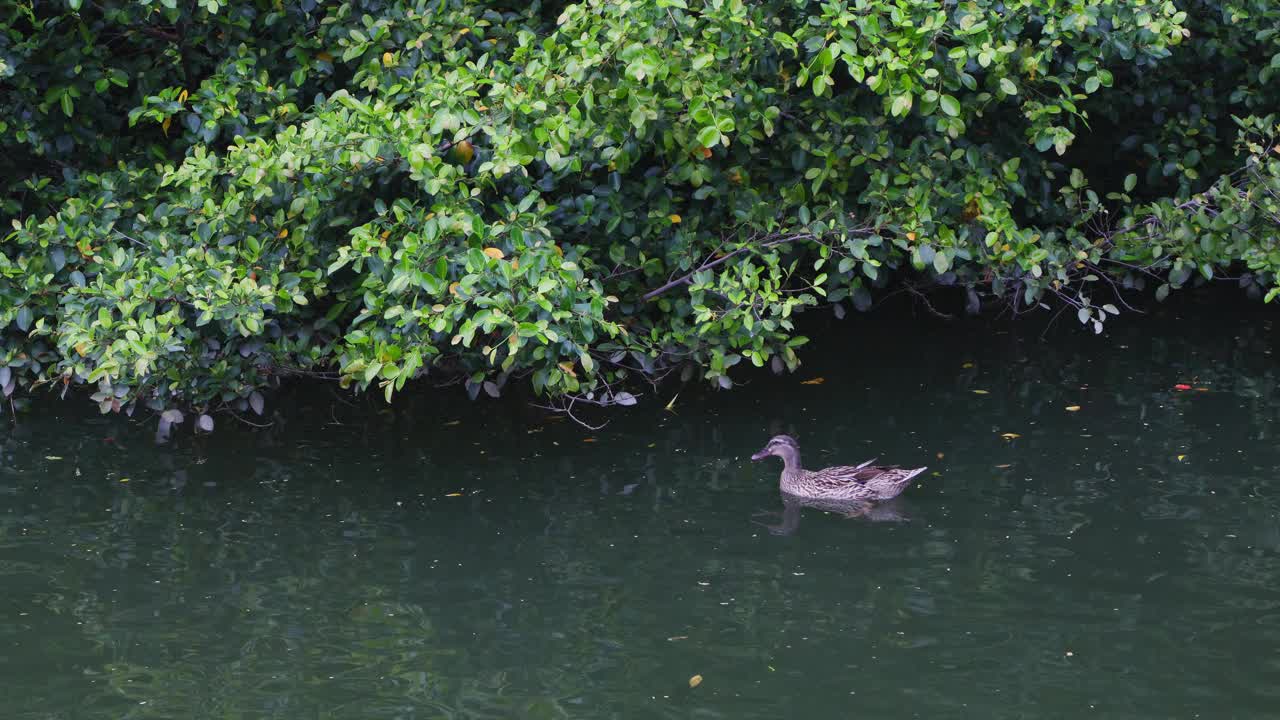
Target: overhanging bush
(205,199)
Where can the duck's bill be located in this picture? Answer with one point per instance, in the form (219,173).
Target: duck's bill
(760,455)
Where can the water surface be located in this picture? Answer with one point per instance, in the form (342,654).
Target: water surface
(444,559)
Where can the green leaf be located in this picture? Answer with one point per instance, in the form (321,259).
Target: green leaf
(1007,87)
(709,136)
(950,105)
(901,105)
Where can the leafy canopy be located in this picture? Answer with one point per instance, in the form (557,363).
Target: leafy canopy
(207,197)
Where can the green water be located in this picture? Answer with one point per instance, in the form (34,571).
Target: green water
(1121,560)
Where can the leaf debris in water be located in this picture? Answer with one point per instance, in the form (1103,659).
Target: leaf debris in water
(1073,408)
(1010,436)
(454,494)
(673,638)
(813,381)
(52,457)
(695,681)
(981,392)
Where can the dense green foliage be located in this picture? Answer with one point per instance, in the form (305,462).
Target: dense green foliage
(208,196)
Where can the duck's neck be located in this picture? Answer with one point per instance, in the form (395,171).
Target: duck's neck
(790,462)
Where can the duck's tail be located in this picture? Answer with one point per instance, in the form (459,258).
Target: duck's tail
(901,483)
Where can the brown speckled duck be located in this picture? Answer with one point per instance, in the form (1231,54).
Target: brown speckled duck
(861,482)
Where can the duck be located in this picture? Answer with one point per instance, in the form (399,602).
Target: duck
(865,482)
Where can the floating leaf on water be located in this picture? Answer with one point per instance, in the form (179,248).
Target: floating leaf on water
(451,423)
(123,480)
(1073,408)
(1182,387)
(813,381)
(941,455)
(1010,436)
(586,440)
(967,365)
(695,681)
(1003,466)
(1202,389)
(1180,458)
(981,392)
(52,457)
(672,405)
(673,638)
(454,494)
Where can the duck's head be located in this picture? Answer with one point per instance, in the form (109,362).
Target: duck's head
(783,446)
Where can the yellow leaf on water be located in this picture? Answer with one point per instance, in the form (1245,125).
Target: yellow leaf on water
(675,219)
(1010,436)
(454,495)
(1180,457)
(673,638)
(52,457)
(1005,465)
(695,681)
(967,365)
(813,381)
(451,423)
(1073,408)
(494,253)
(981,392)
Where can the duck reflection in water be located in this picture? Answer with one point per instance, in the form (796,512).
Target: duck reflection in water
(894,510)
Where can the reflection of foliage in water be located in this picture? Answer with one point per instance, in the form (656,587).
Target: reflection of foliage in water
(593,579)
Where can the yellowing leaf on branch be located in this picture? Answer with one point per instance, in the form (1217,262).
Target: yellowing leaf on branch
(165,125)
(494,253)
(675,219)
(182,97)
(567,367)
(911,236)
(453,288)
(388,59)
(322,55)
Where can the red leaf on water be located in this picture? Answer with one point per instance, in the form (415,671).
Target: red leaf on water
(1182,387)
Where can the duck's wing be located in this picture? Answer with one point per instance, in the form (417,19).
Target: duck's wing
(845,475)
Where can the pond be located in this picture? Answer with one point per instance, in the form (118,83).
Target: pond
(1097,535)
